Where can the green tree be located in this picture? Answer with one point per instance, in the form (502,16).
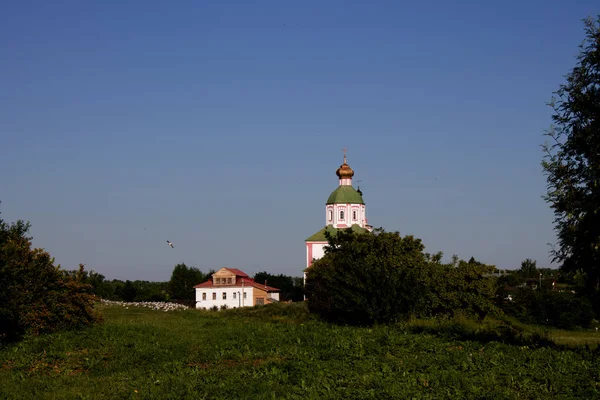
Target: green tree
(291,287)
(528,268)
(35,295)
(572,163)
(183,280)
(366,278)
(458,287)
(129,291)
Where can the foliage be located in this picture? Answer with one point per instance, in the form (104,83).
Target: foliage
(366,278)
(292,288)
(572,163)
(129,291)
(278,351)
(183,280)
(550,307)
(528,268)
(381,277)
(37,297)
(465,288)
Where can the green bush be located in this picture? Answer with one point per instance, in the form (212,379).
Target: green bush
(381,277)
(560,309)
(37,297)
(366,278)
(465,289)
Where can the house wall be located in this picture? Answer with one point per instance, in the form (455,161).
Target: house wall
(259,293)
(230,301)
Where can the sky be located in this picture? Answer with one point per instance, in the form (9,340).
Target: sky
(219,125)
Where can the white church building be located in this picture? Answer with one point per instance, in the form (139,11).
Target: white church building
(345,208)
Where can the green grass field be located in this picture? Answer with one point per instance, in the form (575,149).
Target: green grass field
(279,351)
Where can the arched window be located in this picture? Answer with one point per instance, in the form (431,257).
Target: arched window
(342,215)
(330,215)
(354,215)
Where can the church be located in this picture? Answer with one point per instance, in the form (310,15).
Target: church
(345,208)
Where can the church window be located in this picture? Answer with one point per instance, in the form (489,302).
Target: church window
(234,295)
(214,295)
(203,296)
(342,215)
(330,215)
(354,215)
(224,295)
(245,295)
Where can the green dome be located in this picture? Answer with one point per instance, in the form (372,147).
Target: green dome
(345,194)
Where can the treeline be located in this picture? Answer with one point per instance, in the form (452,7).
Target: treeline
(180,288)
(382,277)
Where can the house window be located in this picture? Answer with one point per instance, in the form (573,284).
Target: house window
(245,295)
(218,281)
(203,296)
(214,295)
(260,301)
(234,295)
(229,281)
(342,215)
(354,215)
(224,296)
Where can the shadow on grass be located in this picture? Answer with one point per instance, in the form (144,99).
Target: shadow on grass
(498,329)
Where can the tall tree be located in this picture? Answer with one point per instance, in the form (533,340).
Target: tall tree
(183,280)
(528,268)
(572,163)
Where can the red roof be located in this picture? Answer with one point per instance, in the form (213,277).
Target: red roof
(237,272)
(238,283)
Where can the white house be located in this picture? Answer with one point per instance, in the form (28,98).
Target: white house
(345,208)
(233,288)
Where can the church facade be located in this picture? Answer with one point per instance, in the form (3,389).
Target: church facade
(345,208)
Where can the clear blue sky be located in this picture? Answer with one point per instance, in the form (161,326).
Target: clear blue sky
(219,125)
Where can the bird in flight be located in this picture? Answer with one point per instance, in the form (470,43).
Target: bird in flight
(170,244)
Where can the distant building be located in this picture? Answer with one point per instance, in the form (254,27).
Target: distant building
(345,208)
(233,288)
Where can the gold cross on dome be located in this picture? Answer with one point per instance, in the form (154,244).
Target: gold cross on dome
(344,150)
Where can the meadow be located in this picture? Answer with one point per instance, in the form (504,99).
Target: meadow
(280,351)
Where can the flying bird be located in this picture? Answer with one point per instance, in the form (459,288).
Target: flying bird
(170,244)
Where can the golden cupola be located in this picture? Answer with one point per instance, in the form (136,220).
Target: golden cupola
(344,171)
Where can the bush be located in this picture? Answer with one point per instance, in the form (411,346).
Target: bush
(37,297)
(381,277)
(560,309)
(463,289)
(366,278)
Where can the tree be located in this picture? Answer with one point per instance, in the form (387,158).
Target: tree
(366,278)
(291,287)
(572,163)
(129,291)
(183,280)
(528,268)
(36,296)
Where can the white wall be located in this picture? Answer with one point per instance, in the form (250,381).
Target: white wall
(273,295)
(230,301)
(347,221)
(318,250)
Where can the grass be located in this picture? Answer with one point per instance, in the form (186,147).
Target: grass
(279,351)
